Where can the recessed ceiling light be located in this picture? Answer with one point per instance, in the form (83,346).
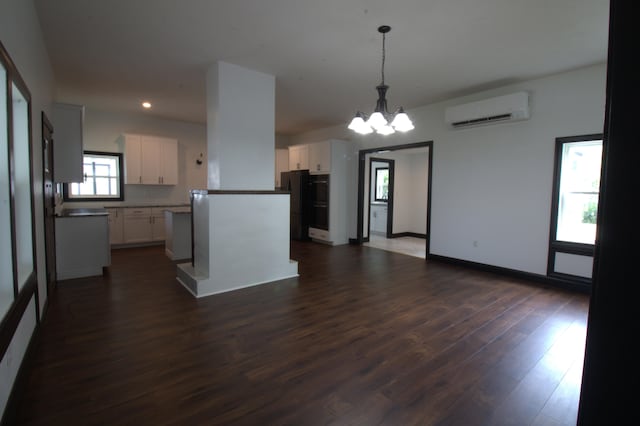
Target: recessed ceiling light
(146,105)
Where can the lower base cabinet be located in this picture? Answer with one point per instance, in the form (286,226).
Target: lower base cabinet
(82,246)
(116,225)
(136,225)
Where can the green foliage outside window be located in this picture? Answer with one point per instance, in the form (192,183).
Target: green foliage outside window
(590,213)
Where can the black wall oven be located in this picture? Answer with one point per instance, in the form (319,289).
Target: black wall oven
(319,192)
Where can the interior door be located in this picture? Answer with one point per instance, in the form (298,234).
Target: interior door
(49,202)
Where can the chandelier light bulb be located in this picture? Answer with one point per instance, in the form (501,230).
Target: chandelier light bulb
(357,122)
(401,122)
(377,120)
(385,130)
(365,129)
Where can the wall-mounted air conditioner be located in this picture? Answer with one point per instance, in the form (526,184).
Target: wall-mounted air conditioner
(511,107)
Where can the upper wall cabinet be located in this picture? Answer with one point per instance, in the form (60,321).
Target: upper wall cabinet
(315,157)
(299,157)
(282,164)
(150,160)
(68,140)
(320,158)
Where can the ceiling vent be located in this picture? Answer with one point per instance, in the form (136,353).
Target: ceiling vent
(500,109)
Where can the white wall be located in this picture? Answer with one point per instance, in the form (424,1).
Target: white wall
(419,166)
(240,128)
(493,184)
(102,132)
(21,36)
(402,193)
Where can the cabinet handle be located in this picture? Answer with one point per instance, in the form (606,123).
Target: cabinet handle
(140,179)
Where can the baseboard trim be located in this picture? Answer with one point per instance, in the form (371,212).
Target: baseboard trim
(409,234)
(563,283)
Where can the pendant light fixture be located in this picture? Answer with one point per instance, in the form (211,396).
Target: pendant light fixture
(381,121)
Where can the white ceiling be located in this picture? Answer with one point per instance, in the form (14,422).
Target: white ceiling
(325,54)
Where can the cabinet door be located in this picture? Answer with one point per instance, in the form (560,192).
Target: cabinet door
(320,157)
(132,159)
(168,162)
(294,163)
(282,164)
(68,155)
(116,226)
(150,155)
(299,157)
(157,224)
(137,225)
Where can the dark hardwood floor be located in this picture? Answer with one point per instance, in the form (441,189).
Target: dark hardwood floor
(362,337)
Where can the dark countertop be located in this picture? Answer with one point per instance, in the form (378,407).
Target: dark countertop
(179,210)
(140,206)
(82,212)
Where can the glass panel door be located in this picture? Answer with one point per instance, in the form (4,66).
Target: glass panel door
(6,256)
(22,182)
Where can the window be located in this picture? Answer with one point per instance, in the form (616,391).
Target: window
(382,184)
(18,281)
(578,194)
(102,179)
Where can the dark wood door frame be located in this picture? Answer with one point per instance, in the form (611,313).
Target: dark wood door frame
(609,393)
(361,186)
(391,164)
(48,195)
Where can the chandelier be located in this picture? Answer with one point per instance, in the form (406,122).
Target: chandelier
(381,121)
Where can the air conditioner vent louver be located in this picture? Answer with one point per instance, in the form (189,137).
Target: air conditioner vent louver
(501,109)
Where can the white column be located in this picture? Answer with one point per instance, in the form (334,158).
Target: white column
(240,128)
(241,229)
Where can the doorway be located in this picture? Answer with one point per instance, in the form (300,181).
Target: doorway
(380,205)
(49,202)
(408,203)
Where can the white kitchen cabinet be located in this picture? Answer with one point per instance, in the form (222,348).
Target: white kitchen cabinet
(342,158)
(320,158)
(168,161)
(157,224)
(68,122)
(143,224)
(299,157)
(116,225)
(82,246)
(137,225)
(282,164)
(150,160)
(378,219)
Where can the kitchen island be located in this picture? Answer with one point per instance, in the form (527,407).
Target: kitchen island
(177,243)
(82,243)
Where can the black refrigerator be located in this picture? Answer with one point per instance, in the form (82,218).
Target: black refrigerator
(297,183)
